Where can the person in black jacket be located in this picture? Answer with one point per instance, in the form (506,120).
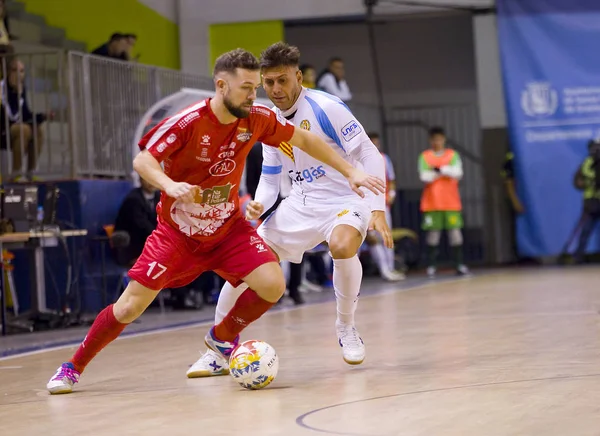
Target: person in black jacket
(137,217)
(25,127)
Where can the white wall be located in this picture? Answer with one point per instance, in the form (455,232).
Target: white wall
(166,8)
(194,16)
(489,77)
(422,60)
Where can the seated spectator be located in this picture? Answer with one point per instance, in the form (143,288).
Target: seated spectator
(21,122)
(131,39)
(137,217)
(115,48)
(309,76)
(333,81)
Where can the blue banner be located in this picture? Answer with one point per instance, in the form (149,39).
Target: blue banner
(551,70)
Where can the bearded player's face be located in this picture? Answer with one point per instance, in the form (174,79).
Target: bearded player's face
(240,92)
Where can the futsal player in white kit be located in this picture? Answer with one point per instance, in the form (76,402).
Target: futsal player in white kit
(320,206)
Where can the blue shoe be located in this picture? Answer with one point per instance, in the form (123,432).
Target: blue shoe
(224,348)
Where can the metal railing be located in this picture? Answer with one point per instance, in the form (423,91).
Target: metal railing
(34,116)
(107,99)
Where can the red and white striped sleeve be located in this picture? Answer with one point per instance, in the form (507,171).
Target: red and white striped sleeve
(171,134)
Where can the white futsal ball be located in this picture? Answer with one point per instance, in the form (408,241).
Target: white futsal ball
(254,364)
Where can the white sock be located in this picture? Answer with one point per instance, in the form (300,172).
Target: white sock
(391,257)
(347,277)
(227,299)
(378,251)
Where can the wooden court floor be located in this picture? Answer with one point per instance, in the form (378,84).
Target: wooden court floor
(512,353)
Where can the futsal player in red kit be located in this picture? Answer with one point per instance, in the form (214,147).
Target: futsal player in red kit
(200,226)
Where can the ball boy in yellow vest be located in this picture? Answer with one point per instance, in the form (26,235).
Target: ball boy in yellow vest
(440,168)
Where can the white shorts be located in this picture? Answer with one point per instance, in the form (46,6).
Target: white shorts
(292,229)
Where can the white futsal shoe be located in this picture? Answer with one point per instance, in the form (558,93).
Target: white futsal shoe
(353,347)
(63,380)
(210,364)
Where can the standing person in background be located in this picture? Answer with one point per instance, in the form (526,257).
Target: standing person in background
(516,207)
(333,80)
(587,179)
(440,168)
(385,257)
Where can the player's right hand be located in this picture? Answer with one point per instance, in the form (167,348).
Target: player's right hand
(181,191)
(254,210)
(359,178)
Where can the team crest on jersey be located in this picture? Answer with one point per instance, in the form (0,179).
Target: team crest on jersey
(342,213)
(305,124)
(244,135)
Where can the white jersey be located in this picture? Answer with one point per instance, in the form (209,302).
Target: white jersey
(328,117)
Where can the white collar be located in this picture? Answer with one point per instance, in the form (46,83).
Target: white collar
(294,107)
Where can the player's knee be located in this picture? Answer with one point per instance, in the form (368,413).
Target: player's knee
(343,248)
(272,288)
(433,238)
(132,303)
(455,237)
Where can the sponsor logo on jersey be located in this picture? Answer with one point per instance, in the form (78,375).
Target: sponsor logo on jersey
(228,146)
(216,195)
(226,154)
(342,213)
(187,119)
(206,140)
(261,110)
(203,155)
(254,240)
(161,147)
(171,138)
(222,168)
(307,175)
(305,124)
(350,130)
(357,215)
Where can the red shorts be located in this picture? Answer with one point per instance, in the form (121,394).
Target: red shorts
(171,260)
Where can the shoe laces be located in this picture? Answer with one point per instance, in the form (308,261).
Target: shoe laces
(67,372)
(349,336)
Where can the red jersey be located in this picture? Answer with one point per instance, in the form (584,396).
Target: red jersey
(197,149)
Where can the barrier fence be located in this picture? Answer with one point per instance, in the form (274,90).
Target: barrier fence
(86,110)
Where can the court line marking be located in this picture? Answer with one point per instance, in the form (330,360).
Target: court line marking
(39,349)
(300,419)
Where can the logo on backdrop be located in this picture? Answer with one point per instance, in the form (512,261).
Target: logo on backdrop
(539,99)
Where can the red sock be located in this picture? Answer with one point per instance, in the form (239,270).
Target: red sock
(247,309)
(104,330)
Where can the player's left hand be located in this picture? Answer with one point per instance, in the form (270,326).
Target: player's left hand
(380,225)
(358,178)
(254,210)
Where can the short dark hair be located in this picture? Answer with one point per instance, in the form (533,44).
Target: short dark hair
(130,35)
(232,60)
(373,135)
(280,54)
(436,131)
(335,59)
(117,36)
